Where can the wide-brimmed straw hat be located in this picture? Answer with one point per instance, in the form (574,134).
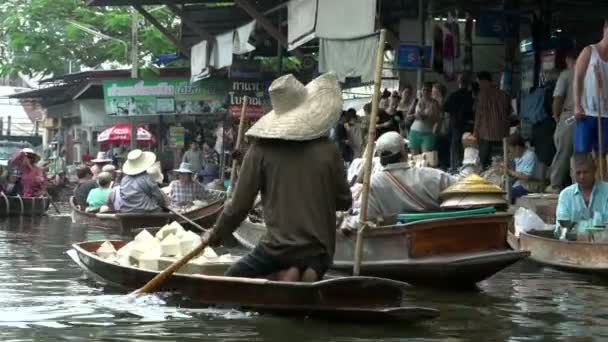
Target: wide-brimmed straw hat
(184,168)
(29,151)
(138,161)
(300,112)
(156,173)
(101,158)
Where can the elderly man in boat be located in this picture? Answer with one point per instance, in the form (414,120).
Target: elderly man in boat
(302,180)
(139,190)
(185,190)
(399,188)
(584,203)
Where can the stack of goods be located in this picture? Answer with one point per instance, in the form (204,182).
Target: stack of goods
(196,204)
(155,253)
(473,192)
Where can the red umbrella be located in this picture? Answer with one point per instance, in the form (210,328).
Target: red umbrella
(121,135)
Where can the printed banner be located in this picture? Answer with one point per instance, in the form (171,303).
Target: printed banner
(257,91)
(177,136)
(170,96)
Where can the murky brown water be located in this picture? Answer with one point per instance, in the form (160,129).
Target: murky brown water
(45,297)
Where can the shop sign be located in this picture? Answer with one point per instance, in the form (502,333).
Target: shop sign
(177,136)
(166,96)
(412,56)
(257,91)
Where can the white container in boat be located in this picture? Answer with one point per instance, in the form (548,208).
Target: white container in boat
(143,236)
(141,247)
(188,242)
(209,253)
(170,246)
(106,250)
(149,260)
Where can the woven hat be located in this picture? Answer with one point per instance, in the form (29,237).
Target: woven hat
(473,184)
(31,152)
(137,162)
(108,168)
(156,173)
(300,112)
(101,158)
(390,143)
(184,168)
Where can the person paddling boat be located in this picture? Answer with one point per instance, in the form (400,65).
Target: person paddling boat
(302,181)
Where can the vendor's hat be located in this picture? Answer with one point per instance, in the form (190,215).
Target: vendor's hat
(300,112)
(108,168)
(101,158)
(31,152)
(184,168)
(138,161)
(156,173)
(390,143)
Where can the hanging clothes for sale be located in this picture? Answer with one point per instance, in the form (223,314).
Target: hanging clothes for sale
(241,39)
(349,57)
(330,19)
(199,68)
(437,49)
(301,21)
(467,60)
(455,29)
(448,55)
(221,53)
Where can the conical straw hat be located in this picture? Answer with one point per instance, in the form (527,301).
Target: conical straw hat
(300,112)
(472,184)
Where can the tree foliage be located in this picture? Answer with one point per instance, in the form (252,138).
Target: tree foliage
(38,37)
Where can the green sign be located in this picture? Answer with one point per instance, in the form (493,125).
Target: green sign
(177,135)
(165,96)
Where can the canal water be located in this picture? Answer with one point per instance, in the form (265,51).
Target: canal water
(44,296)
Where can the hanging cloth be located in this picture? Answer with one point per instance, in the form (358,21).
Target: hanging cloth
(349,58)
(199,68)
(331,19)
(437,49)
(301,21)
(241,39)
(448,55)
(221,53)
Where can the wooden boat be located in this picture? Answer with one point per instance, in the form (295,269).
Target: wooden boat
(453,252)
(23,206)
(129,222)
(570,256)
(351,298)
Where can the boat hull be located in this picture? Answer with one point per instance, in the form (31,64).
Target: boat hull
(570,256)
(23,206)
(354,297)
(455,252)
(128,223)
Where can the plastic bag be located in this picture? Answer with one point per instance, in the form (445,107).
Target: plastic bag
(527,220)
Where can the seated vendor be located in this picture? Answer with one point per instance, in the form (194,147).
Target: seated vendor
(84,186)
(399,188)
(99,196)
(185,190)
(139,191)
(526,172)
(587,199)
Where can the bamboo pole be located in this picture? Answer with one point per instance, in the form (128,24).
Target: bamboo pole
(505,158)
(600,131)
(239,141)
(369,152)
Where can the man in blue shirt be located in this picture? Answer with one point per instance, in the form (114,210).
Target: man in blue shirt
(587,199)
(526,170)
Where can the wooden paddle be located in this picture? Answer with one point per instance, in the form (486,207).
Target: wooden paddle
(369,152)
(183,217)
(239,141)
(52,202)
(505,157)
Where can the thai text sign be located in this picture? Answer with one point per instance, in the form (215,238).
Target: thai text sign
(257,91)
(165,96)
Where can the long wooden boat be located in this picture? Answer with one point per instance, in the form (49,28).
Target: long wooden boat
(129,222)
(23,206)
(570,256)
(453,252)
(351,298)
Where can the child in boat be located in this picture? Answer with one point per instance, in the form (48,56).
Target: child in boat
(99,196)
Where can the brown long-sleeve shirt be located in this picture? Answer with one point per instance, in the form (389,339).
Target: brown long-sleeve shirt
(492,114)
(302,184)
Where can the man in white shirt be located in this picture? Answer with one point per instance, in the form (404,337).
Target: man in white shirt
(399,188)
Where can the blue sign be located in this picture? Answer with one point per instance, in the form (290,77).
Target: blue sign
(411,56)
